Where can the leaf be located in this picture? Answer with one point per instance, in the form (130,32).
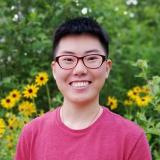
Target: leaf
(154,131)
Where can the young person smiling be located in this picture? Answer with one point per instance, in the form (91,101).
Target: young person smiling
(81,129)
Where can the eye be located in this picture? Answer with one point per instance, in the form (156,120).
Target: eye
(67,59)
(92,58)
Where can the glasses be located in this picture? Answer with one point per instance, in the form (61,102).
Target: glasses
(92,61)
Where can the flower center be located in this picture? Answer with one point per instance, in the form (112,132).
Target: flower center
(143,99)
(14,95)
(30,90)
(8,101)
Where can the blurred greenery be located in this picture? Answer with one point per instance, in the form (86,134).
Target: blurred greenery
(27,28)
(26,31)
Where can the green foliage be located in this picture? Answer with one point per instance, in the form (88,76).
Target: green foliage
(26,29)
(149,118)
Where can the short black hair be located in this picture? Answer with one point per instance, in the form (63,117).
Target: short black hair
(78,26)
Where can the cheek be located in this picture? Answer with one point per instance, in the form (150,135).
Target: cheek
(61,81)
(100,74)
(61,76)
(100,78)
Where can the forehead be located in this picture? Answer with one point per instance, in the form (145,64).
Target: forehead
(79,44)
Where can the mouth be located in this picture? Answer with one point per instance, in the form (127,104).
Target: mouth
(80,84)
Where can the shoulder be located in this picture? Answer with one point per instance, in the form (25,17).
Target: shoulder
(127,134)
(122,125)
(41,123)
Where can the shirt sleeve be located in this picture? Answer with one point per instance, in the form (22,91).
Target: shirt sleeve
(141,149)
(23,145)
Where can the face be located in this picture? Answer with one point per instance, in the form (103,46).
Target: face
(80,84)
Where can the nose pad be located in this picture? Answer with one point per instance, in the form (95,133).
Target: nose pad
(80,68)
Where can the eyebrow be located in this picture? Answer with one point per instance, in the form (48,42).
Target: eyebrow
(89,51)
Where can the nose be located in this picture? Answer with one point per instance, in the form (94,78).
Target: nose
(80,68)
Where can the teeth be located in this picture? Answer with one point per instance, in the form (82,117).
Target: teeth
(79,84)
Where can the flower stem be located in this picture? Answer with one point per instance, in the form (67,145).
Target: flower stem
(48,95)
(34,102)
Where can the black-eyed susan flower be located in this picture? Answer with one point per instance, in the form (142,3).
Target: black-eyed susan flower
(41,78)
(30,91)
(15,94)
(139,96)
(10,140)
(2,127)
(132,94)
(13,122)
(112,102)
(27,108)
(137,89)
(143,101)
(8,102)
(145,90)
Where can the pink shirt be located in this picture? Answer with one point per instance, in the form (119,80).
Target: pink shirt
(110,137)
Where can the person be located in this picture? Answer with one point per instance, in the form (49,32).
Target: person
(81,129)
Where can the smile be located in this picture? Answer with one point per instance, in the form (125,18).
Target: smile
(80,84)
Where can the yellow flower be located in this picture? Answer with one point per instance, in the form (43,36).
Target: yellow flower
(23,120)
(13,122)
(27,108)
(8,102)
(137,89)
(10,140)
(132,94)
(112,102)
(2,127)
(128,102)
(143,101)
(15,94)
(145,90)
(41,78)
(30,91)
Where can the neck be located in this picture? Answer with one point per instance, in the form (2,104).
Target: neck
(78,117)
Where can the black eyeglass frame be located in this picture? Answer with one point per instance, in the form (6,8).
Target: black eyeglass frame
(82,58)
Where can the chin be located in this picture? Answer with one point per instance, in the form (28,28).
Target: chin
(82,99)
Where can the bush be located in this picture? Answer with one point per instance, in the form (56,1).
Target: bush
(26,29)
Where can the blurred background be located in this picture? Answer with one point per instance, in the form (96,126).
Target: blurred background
(26,31)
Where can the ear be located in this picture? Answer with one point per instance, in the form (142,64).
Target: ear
(53,69)
(108,67)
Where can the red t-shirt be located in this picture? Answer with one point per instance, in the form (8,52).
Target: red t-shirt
(110,137)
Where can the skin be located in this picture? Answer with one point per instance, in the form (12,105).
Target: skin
(81,105)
